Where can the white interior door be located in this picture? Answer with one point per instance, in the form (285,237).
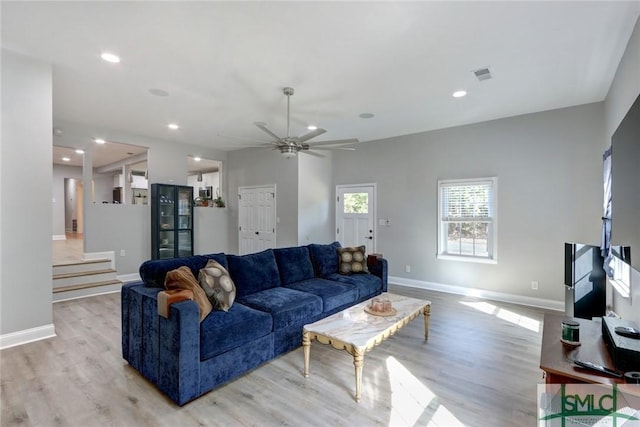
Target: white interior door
(355,215)
(257,218)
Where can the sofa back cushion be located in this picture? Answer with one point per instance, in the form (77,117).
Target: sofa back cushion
(324,258)
(294,264)
(153,272)
(253,272)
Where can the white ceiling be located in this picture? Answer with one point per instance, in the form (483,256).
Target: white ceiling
(224,64)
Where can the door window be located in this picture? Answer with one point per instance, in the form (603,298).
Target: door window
(356,203)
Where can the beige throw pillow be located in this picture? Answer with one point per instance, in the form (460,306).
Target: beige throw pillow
(217,285)
(183,278)
(352,260)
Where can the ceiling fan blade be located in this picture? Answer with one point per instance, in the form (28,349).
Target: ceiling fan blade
(312,134)
(264,128)
(271,145)
(335,142)
(333,148)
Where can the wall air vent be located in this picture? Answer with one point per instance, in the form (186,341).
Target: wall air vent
(482,74)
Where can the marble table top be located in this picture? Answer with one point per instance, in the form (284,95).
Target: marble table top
(353,325)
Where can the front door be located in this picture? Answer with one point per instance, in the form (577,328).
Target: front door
(256,218)
(355,215)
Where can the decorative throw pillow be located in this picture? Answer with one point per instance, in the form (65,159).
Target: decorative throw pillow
(183,278)
(217,284)
(352,260)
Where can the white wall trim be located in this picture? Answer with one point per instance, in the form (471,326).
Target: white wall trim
(479,293)
(26,336)
(129,278)
(110,255)
(59,237)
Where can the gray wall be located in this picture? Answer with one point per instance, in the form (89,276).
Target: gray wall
(25,196)
(549,171)
(624,90)
(211,230)
(316,209)
(252,167)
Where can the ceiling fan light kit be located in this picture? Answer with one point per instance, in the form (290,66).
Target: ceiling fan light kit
(290,146)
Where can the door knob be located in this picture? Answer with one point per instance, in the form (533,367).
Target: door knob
(257,232)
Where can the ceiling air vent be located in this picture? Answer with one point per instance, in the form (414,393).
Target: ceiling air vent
(482,74)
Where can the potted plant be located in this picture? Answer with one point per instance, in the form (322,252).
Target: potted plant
(219,202)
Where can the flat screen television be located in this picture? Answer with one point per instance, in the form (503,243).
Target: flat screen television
(625,187)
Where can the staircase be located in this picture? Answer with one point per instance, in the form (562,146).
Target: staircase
(84,278)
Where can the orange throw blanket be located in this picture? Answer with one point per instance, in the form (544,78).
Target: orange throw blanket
(183,278)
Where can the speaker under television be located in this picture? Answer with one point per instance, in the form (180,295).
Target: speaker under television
(585,281)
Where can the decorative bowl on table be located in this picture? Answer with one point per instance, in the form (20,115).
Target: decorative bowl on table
(380,306)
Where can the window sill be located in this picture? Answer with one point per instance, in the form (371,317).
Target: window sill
(462,258)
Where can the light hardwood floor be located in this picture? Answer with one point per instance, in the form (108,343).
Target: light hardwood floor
(479,368)
(69,250)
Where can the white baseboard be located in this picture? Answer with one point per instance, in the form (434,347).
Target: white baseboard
(28,335)
(128,278)
(59,237)
(479,293)
(110,255)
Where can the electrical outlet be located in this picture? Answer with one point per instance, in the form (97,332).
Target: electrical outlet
(407,269)
(534,285)
(122,252)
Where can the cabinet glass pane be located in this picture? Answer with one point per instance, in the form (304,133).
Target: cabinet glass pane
(184,209)
(167,244)
(184,243)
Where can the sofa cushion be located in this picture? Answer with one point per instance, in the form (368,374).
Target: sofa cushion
(182,278)
(216,283)
(294,264)
(352,260)
(324,258)
(286,306)
(333,294)
(368,285)
(222,331)
(153,272)
(254,272)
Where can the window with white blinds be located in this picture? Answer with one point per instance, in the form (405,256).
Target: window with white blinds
(467,219)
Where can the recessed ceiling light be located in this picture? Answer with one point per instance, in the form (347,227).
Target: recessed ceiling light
(158,92)
(66,159)
(196,159)
(79,151)
(312,127)
(459,93)
(110,57)
(99,141)
(173,126)
(366,115)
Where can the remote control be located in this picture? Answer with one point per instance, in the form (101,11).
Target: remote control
(627,331)
(598,368)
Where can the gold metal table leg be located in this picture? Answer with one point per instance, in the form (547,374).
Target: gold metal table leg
(427,314)
(358,362)
(306,347)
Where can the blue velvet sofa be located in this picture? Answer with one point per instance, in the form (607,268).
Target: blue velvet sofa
(278,291)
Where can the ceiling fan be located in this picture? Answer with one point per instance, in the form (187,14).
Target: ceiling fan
(290,146)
